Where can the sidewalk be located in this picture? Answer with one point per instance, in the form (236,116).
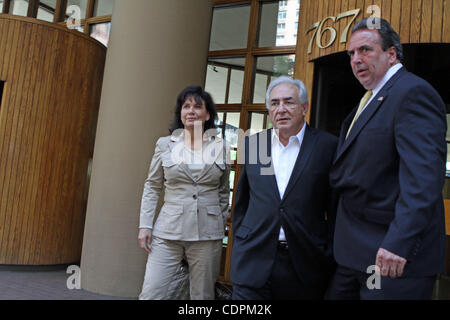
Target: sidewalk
(50,283)
(41,283)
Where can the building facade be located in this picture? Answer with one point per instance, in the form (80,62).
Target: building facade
(232,47)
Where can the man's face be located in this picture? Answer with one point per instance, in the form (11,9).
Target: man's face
(286,112)
(368,60)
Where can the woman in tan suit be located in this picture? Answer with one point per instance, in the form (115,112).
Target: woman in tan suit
(192,166)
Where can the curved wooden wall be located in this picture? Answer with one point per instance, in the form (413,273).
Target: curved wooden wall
(417,21)
(48,115)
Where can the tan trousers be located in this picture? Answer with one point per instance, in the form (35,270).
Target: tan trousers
(203,258)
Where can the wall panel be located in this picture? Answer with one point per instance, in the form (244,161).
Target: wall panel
(426,21)
(396,11)
(436,22)
(416,21)
(47,122)
(405,20)
(446,22)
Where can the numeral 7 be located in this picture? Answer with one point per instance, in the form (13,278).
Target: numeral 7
(347,14)
(314,26)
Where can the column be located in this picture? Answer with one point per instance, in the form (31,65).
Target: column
(157,48)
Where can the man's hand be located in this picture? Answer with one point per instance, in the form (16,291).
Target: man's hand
(390,264)
(145,239)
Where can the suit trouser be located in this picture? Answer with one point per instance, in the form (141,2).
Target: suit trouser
(283,284)
(350,284)
(203,258)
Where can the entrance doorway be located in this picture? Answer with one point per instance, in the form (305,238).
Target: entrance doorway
(337,92)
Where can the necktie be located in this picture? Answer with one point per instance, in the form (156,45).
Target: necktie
(360,108)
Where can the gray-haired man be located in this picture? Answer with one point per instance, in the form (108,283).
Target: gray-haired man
(283,223)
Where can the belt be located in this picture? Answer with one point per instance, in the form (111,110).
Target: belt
(282,245)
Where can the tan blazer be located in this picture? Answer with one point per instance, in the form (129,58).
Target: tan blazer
(195,208)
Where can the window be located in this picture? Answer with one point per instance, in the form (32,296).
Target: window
(18,7)
(274,20)
(92,17)
(100,32)
(259,121)
(46,10)
(95,17)
(228,125)
(103,7)
(225,80)
(76,8)
(268,68)
(226,35)
(239,71)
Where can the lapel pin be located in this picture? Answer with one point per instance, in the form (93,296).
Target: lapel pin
(380,98)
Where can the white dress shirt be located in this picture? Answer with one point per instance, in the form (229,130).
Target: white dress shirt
(392,70)
(283,160)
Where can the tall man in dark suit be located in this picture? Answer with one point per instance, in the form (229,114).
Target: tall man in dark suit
(283,217)
(389,173)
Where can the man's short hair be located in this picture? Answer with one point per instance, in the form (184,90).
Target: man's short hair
(302,92)
(389,38)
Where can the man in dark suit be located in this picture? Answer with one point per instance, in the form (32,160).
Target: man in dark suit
(389,173)
(284,216)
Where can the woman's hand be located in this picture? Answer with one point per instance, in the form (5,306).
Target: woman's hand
(145,239)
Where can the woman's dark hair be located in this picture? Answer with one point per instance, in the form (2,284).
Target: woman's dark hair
(199,95)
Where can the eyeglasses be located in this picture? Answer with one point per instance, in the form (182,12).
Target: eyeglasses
(291,105)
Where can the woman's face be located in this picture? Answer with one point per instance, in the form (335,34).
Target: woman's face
(193,113)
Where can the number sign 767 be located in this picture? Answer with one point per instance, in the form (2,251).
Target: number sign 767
(320,31)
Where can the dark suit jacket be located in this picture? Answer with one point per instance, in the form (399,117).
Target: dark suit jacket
(259,212)
(389,173)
